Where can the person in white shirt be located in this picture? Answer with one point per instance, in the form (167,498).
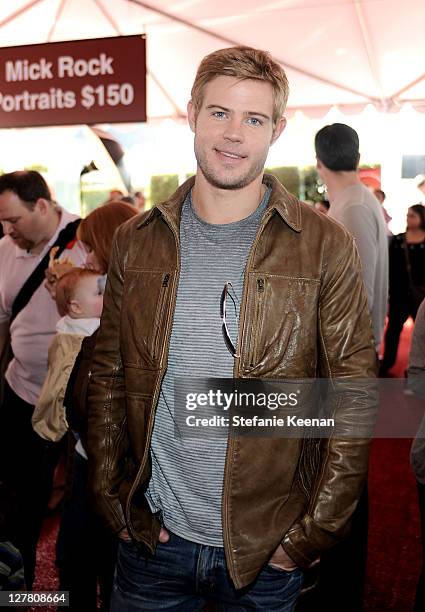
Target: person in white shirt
(32,223)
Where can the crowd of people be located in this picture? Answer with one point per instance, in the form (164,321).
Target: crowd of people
(99,317)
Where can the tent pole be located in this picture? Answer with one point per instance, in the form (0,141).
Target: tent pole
(108,16)
(369,50)
(114,24)
(19,12)
(409,86)
(57,17)
(230,41)
(178,112)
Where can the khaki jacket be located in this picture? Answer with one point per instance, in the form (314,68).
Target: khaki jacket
(311,320)
(48,418)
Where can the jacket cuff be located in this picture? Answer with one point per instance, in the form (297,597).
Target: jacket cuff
(111,514)
(305,542)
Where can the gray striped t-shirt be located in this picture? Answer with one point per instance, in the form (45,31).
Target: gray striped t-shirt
(187,474)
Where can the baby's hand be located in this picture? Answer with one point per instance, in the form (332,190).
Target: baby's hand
(57,268)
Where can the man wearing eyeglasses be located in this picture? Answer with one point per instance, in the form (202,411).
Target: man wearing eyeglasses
(232,277)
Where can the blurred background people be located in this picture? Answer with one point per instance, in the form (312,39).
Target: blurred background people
(380,196)
(33,223)
(407,281)
(342,571)
(322,206)
(355,207)
(416,383)
(86,552)
(139,201)
(115,194)
(128,199)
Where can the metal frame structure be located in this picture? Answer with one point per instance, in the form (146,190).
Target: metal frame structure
(389,103)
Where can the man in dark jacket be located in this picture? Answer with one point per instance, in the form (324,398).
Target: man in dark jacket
(232,278)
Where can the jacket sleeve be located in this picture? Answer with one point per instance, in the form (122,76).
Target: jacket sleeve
(416,371)
(347,357)
(49,419)
(75,401)
(107,442)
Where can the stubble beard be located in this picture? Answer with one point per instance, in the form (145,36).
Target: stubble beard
(23,243)
(231,183)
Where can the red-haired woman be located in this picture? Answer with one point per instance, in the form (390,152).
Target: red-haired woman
(85,550)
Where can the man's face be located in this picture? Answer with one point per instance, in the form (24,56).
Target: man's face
(234,130)
(24,226)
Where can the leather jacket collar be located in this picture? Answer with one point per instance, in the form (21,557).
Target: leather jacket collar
(280,200)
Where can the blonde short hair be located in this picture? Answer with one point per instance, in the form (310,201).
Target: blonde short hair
(242,63)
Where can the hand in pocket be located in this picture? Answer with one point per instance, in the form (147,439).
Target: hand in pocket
(282,560)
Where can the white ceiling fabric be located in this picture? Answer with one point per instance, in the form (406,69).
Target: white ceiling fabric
(344,53)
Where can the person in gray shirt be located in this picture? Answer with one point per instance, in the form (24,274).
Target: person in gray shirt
(357,209)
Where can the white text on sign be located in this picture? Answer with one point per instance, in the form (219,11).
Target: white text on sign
(113,94)
(67,67)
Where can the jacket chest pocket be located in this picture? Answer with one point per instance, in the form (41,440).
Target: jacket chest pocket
(257,321)
(280,328)
(146,299)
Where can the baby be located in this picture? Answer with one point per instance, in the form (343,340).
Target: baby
(79,298)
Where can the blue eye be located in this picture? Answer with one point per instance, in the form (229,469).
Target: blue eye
(254,121)
(219,114)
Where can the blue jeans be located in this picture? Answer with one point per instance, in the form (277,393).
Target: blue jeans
(183,576)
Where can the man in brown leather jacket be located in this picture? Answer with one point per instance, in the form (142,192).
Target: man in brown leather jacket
(236,519)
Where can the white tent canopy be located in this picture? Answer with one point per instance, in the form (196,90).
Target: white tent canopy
(355,61)
(345,53)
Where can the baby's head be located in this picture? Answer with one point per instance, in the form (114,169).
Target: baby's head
(79,294)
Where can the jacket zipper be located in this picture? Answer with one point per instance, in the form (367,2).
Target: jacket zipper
(229,553)
(158,318)
(155,394)
(257,321)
